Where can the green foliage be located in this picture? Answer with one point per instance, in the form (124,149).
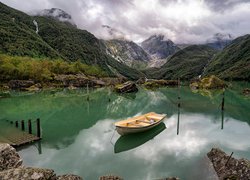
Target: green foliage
(55,40)
(185,64)
(233,62)
(42,70)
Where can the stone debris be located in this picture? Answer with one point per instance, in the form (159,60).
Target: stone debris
(238,169)
(28,173)
(110,177)
(9,158)
(68,177)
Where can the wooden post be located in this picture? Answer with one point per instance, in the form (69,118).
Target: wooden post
(222,110)
(16,124)
(29,126)
(87,91)
(38,128)
(223,101)
(229,158)
(11,122)
(22,125)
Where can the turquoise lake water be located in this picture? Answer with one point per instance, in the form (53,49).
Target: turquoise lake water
(79,138)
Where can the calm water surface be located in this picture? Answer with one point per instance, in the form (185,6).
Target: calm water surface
(79,137)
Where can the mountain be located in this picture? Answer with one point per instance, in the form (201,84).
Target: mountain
(127,52)
(45,36)
(18,37)
(159,48)
(219,41)
(185,64)
(233,62)
(58,14)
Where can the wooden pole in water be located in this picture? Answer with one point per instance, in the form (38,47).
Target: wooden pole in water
(16,124)
(229,158)
(29,126)
(22,125)
(179,105)
(38,128)
(222,110)
(87,91)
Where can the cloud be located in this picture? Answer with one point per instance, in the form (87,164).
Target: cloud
(183,21)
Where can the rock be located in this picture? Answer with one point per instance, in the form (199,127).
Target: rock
(246,91)
(110,177)
(35,87)
(28,173)
(235,169)
(211,82)
(78,80)
(20,84)
(141,80)
(68,177)
(9,158)
(153,83)
(126,87)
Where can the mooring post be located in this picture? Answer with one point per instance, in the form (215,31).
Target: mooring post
(38,128)
(229,158)
(223,101)
(16,124)
(87,91)
(29,126)
(22,125)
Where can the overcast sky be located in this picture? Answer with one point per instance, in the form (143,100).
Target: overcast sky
(183,21)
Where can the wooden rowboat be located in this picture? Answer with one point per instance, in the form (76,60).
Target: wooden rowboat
(139,123)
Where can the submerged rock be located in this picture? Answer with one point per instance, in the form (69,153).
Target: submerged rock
(28,173)
(126,87)
(110,177)
(153,83)
(68,177)
(234,169)
(211,82)
(9,158)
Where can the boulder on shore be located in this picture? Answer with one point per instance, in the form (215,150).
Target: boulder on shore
(153,83)
(9,158)
(211,82)
(126,87)
(11,168)
(28,173)
(229,168)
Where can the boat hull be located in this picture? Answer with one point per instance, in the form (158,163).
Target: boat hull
(131,130)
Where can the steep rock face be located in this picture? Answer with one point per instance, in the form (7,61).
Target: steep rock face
(127,52)
(219,41)
(159,48)
(233,62)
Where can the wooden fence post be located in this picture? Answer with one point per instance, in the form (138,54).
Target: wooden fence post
(29,126)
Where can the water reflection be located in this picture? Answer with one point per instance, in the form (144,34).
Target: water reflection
(166,155)
(131,141)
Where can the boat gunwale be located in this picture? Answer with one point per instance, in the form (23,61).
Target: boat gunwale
(147,126)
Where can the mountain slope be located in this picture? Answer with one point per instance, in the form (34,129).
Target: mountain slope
(185,64)
(159,48)
(233,62)
(55,39)
(18,37)
(219,41)
(127,52)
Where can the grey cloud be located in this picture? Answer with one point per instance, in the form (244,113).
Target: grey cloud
(183,21)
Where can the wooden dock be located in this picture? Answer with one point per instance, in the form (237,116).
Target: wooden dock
(15,136)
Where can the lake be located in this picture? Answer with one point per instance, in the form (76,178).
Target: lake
(79,137)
